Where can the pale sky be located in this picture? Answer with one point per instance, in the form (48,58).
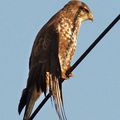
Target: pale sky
(94,91)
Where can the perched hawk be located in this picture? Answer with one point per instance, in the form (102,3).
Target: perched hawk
(51,55)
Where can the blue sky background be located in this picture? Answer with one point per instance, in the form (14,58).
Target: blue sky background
(94,91)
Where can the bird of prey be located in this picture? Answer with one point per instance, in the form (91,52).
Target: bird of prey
(51,56)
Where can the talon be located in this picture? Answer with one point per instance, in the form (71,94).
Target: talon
(70,75)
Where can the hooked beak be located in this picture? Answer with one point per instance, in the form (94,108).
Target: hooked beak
(91,17)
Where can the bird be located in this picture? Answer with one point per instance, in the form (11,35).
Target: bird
(51,56)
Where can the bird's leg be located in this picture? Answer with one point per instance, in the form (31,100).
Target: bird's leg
(70,75)
(66,76)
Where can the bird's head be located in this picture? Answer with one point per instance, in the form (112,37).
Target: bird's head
(78,11)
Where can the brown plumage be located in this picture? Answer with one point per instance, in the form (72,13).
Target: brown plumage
(51,55)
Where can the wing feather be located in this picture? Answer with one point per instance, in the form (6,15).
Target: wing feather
(44,59)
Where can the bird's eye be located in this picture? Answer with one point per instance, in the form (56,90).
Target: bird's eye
(86,10)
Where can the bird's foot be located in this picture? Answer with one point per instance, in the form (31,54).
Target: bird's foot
(67,76)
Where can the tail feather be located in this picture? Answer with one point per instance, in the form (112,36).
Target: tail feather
(35,86)
(23,101)
(58,101)
(30,103)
